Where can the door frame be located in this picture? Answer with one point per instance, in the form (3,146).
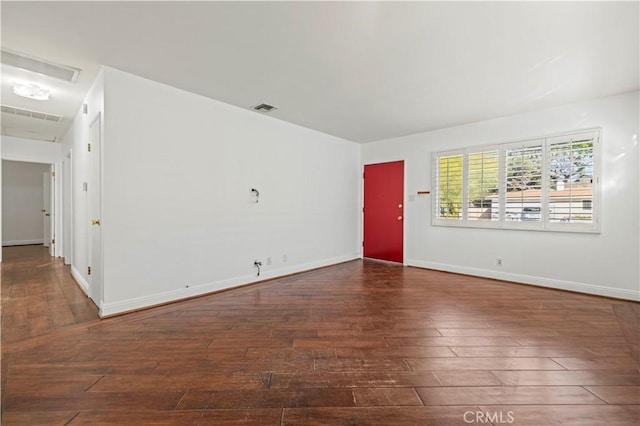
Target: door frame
(26,157)
(48,210)
(95,291)
(66,206)
(404,210)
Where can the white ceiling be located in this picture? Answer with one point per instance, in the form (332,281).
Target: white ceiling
(364,71)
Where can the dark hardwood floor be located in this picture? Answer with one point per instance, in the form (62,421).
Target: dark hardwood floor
(39,294)
(361,343)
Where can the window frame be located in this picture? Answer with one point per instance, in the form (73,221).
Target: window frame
(545,224)
(436,166)
(479,223)
(526,225)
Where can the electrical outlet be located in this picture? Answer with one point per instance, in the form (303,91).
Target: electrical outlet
(284,257)
(269,260)
(499,261)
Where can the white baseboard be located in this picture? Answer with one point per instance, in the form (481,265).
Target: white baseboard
(21,242)
(196,290)
(527,279)
(84,285)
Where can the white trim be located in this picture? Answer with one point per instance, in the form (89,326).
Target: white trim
(21,242)
(96,272)
(57,218)
(527,279)
(84,285)
(67,200)
(202,289)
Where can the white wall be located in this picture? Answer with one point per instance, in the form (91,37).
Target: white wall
(605,263)
(22,202)
(178,215)
(179,219)
(75,143)
(19,149)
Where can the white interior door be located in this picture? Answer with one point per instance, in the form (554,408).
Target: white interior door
(47,210)
(94,193)
(66,210)
(53,217)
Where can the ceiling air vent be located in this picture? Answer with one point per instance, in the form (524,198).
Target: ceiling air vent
(30,114)
(39,66)
(264,107)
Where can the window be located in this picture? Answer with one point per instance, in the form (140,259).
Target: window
(482,185)
(450,186)
(571,179)
(549,183)
(523,168)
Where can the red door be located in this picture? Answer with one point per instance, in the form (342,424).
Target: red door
(384,211)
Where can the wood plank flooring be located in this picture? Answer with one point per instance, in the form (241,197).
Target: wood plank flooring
(360,343)
(39,295)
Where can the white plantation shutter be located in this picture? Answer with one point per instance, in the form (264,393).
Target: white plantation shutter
(570,171)
(523,176)
(449,185)
(483,180)
(550,183)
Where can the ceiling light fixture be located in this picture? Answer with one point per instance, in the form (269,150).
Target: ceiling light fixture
(31,91)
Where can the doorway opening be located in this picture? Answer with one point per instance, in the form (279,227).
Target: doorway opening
(383,212)
(28,204)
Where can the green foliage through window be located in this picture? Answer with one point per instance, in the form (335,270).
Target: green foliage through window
(450,188)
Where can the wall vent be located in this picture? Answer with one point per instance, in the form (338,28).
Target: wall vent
(40,66)
(30,114)
(264,107)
